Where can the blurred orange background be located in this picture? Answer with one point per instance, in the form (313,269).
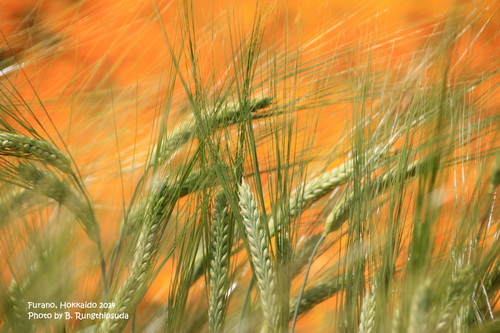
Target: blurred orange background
(112,50)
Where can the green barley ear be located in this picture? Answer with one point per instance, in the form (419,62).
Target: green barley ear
(130,292)
(231,113)
(316,294)
(20,289)
(33,149)
(458,292)
(397,321)
(196,180)
(320,186)
(219,117)
(219,264)
(492,283)
(48,184)
(258,240)
(495,173)
(419,312)
(153,222)
(340,212)
(302,255)
(367,317)
(18,314)
(316,188)
(14,201)
(488,298)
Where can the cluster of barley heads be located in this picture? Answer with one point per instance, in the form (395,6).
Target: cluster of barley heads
(241,216)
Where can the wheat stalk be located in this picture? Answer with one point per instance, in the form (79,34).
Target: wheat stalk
(259,254)
(375,85)
(219,264)
(29,148)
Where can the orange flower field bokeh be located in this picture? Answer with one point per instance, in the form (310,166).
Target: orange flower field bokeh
(77,56)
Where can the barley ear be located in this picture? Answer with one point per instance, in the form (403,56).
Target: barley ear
(258,252)
(367,317)
(397,321)
(317,294)
(419,313)
(457,294)
(302,255)
(314,189)
(33,149)
(195,181)
(219,264)
(13,202)
(50,185)
(18,309)
(495,173)
(219,117)
(231,113)
(340,212)
(153,223)
(492,282)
